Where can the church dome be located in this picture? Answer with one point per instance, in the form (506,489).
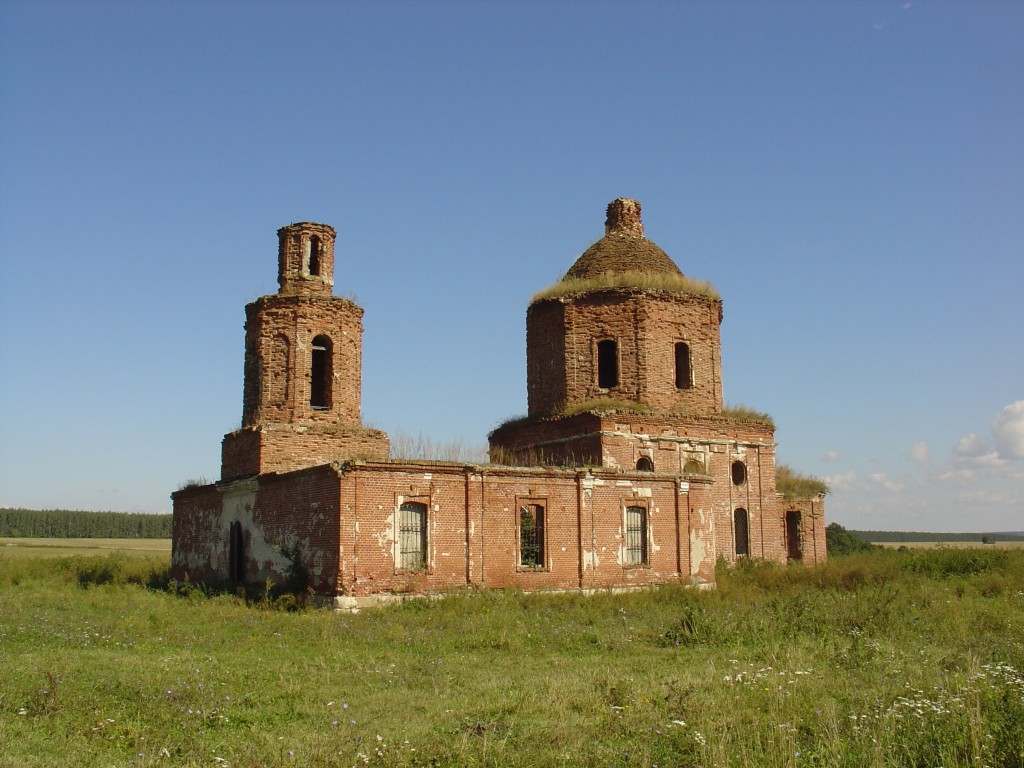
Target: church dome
(623,248)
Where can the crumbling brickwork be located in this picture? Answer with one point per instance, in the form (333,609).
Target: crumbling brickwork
(303,368)
(627,471)
(562,337)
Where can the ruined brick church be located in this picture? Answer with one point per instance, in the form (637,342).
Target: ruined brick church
(628,470)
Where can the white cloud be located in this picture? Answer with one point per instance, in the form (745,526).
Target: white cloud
(971,445)
(1008,431)
(844,482)
(831,455)
(919,453)
(882,480)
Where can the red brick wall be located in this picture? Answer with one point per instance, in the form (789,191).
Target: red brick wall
(274,510)
(293,258)
(279,333)
(618,441)
(561,349)
(345,525)
(284,447)
(812,533)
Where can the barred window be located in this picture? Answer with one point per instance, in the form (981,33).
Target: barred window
(531,536)
(636,536)
(412,536)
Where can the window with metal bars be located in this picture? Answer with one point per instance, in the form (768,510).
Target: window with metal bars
(412,536)
(531,536)
(636,536)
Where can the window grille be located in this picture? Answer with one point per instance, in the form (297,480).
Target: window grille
(531,536)
(412,536)
(636,536)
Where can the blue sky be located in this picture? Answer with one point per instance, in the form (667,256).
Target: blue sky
(850,176)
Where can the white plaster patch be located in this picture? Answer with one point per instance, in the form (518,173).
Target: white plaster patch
(386,539)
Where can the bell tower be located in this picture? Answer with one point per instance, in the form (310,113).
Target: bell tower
(303,367)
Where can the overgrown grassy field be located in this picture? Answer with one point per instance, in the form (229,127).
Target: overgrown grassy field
(43,547)
(949,544)
(908,658)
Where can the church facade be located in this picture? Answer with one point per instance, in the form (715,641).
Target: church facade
(627,471)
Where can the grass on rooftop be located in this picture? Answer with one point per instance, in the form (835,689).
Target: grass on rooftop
(642,280)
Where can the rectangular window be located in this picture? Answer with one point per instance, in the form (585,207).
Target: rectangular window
(636,536)
(684,373)
(412,536)
(531,536)
(607,364)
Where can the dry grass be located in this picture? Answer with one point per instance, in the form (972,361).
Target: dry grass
(793,485)
(679,284)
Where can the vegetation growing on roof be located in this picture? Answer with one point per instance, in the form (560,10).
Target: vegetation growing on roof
(740,412)
(604,405)
(611,404)
(793,485)
(656,281)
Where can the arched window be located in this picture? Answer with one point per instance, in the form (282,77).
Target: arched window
(739,473)
(236,553)
(644,464)
(740,524)
(684,373)
(607,364)
(531,536)
(412,536)
(314,256)
(321,374)
(636,536)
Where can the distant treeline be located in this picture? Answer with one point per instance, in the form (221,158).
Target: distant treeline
(889,536)
(76,524)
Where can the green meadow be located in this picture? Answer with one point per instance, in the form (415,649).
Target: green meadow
(892,658)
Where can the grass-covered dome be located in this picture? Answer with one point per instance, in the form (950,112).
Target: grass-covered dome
(624,258)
